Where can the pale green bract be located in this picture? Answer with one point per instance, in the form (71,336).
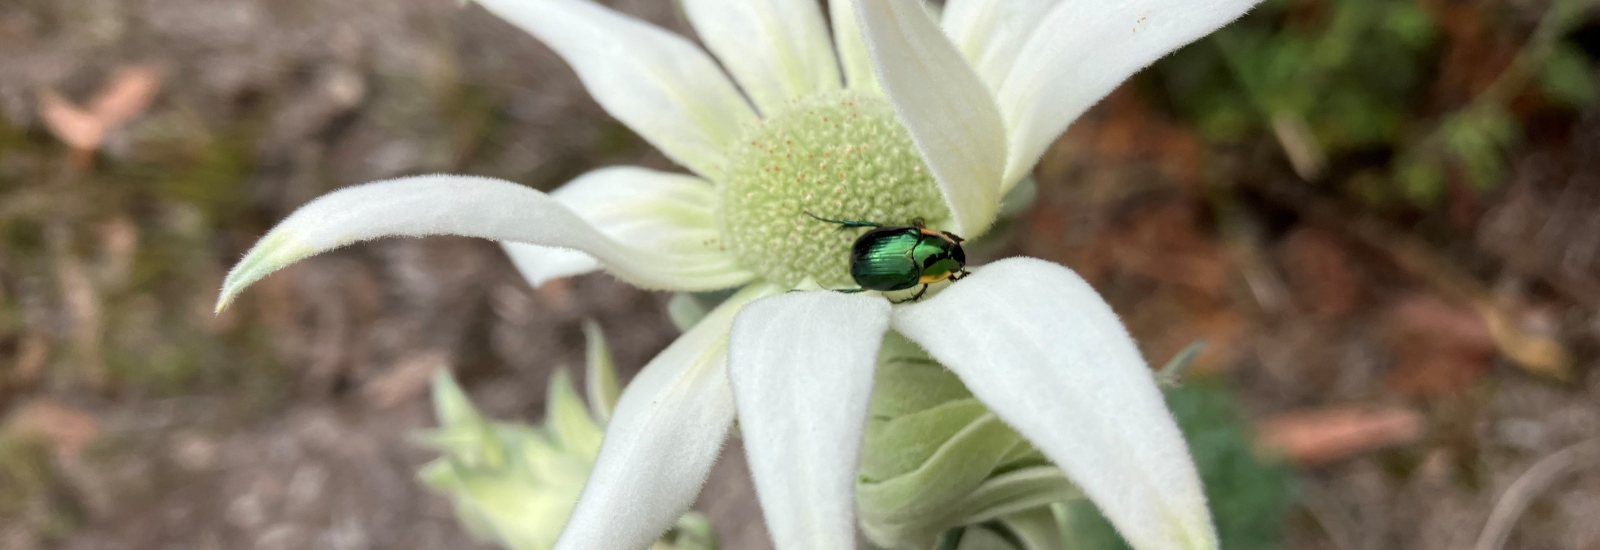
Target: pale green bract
(514,485)
(1039,382)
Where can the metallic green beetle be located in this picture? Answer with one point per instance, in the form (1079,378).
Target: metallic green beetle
(898,258)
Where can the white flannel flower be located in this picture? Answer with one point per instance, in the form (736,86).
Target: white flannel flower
(907,121)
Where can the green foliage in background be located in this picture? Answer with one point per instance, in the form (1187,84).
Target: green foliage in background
(1328,78)
(1351,69)
(1249,497)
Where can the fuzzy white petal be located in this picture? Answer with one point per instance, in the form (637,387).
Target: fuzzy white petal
(990,33)
(542,264)
(660,211)
(660,84)
(778,50)
(467,206)
(853,56)
(1044,351)
(949,113)
(1083,49)
(802,368)
(662,439)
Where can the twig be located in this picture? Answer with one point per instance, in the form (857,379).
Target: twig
(1529,486)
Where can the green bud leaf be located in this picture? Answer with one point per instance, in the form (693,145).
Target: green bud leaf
(1015,492)
(568,420)
(686,311)
(600,372)
(1036,529)
(693,532)
(984,538)
(933,457)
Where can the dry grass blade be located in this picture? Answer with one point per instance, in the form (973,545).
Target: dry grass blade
(1529,486)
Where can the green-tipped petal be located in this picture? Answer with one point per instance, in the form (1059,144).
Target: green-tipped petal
(473,207)
(660,211)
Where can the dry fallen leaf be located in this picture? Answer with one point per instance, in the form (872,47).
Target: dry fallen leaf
(124,96)
(1524,344)
(1439,348)
(1322,436)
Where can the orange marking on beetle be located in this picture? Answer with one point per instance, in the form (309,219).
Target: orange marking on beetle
(939,234)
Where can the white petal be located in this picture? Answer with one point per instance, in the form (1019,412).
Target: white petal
(802,366)
(659,211)
(847,39)
(663,437)
(468,206)
(1082,50)
(777,49)
(990,33)
(656,82)
(542,264)
(949,113)
(1044,351)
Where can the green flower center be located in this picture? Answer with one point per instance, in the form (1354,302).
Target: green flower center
(842,156)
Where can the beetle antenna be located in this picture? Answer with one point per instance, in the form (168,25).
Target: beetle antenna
(843,224)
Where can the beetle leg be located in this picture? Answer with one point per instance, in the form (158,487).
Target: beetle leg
(954,237)
(915,297)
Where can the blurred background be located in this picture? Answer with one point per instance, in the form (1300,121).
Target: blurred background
(1383,216)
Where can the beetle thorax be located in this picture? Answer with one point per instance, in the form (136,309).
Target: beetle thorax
(840,156)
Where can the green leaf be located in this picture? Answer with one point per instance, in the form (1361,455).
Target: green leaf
(984,538)
(600,372)
(1477,139)
(910,440)
(450,403)
(1015,492)
(568,419)
(1036,529)
(1567,76)
(1410,23)
(1421,179)
(692,532)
